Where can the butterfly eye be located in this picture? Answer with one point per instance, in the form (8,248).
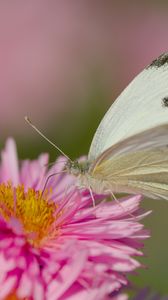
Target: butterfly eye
(165,101)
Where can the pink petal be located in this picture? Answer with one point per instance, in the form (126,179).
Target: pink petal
(66,277)
(9,164)
(8,286)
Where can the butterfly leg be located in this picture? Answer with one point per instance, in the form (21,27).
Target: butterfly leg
(92,197)
(88,187)
(118,202)
(91,193)
(47,180)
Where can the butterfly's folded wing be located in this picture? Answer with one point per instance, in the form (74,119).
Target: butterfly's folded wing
(136,165)
(141,106)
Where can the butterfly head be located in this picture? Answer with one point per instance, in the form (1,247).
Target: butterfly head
(77,167)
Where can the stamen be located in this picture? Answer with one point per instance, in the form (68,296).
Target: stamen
(35,212)
(13,296)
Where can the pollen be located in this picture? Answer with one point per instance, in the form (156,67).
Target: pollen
(33,209)
(13,297)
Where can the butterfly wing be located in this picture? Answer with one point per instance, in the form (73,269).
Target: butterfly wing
(139,107)
(138,164)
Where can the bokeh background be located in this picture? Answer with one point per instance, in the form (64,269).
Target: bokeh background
(63,63)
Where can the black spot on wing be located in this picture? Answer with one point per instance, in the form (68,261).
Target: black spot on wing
(159,62)
(165,101)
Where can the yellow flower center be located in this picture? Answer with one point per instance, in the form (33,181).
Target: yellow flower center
(13,296)
(35,212)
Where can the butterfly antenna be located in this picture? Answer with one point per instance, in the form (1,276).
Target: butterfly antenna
(50,142)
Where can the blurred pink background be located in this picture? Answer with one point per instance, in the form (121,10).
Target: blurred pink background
(50,51)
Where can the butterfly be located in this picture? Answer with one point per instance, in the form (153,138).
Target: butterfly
(129,151)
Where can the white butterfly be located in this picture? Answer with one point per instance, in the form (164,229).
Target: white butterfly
(129,151)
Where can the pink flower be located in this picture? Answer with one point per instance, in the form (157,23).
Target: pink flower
(55,245)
